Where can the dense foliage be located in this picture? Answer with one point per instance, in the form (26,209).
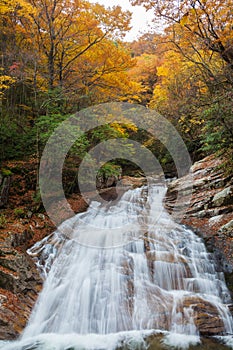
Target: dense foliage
(194,88)
(58,57)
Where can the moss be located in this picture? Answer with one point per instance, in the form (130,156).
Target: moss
(6,172)
(19,212)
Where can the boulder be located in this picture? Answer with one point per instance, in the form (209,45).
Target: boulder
(223,197)
(206,316)
(227,228)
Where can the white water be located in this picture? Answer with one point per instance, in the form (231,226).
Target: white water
(117,272)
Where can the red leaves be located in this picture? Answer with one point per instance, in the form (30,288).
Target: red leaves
(14,67)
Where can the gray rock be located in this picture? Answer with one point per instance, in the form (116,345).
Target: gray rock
(41,216)
(29,214)
(200,182)
(228,228)
(215,219)
(201,214)
(224,197)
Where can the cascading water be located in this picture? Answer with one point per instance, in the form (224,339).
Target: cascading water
(116,273)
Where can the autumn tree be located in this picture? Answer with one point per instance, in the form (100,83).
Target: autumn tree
(12,13)
(201,31)
(15,85)
(205,22)
(178,95)
(145,73)
(58,57)
(146,43)
(65,30)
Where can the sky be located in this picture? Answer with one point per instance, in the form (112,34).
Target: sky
(141,19)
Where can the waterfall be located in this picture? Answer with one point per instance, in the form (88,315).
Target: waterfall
(117,273)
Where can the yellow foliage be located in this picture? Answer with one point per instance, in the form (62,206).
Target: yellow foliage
(144,73)
(5,83)
(21,8)
(188,123)
(123,128)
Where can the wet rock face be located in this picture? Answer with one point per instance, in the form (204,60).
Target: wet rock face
(210,211)
(19,286)
(206,316)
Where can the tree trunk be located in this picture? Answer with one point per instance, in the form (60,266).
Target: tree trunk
(51,67)
(4,187)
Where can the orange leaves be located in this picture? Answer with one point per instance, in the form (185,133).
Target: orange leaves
(145,73)
(12,13)
(202,24)
(72,37)
(114,22)
(21,8)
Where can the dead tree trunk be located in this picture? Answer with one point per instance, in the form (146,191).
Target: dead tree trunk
(4,190)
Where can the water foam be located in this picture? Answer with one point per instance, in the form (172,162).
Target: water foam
(49,341)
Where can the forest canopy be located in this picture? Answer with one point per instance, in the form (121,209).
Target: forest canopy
(58,57)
